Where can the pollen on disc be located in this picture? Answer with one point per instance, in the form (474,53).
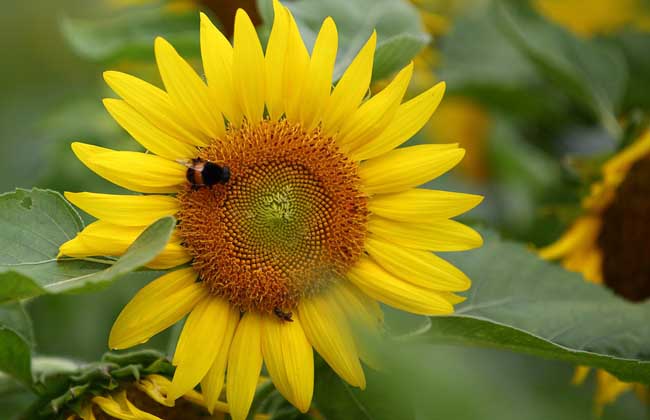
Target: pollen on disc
(290,220)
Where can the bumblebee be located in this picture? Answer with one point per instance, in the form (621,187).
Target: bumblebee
(203,173)
(284,316)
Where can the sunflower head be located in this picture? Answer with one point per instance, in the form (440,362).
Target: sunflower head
(128,386)
(610,243)
(290,221)
(319,221)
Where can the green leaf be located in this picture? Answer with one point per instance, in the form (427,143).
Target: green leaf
(493,62)
(15,342)
(130,34)
(400,35)
(634,46)
(519,302)
(34,224)
(593,74)
(395,52)
(145,248)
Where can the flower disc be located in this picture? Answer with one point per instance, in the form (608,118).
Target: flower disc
(290,220)
(625,235)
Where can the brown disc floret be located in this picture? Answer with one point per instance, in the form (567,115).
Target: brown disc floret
(625,235)
(290,220)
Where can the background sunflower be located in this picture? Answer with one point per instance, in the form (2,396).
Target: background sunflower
(608,245)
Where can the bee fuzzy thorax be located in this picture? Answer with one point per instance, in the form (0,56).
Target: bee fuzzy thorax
(204,173)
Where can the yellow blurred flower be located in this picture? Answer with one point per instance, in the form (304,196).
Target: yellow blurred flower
(610,243)
(467,122)
(596,17)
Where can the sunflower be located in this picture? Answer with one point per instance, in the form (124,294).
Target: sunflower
(319,220)
(146,399)
(610,243)
(131,386)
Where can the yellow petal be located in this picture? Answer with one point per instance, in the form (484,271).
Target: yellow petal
(188,92)
(86,412)
(156,106)
(328,331)
(421,268)
(119,407)
(380,285)
(156,387)
(289,359)
(351,88)
(135,171)
(592,266)
(364,315)
(438,235)
(608,389)
(409,119)
(452,298)
(359,307)
(135,412)
(216,53)
(615,169)
(248,68)
(408,167)
(212,383)
(296,64)
(148,135)
(374,115)
(580,375)
(318,83)
(583,232)
(422,205)
(125,210)
(244,365)
(274,61)
(105,239)
(202,337)
(172,256)
(157,306)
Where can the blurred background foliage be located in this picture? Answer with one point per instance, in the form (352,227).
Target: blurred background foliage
(539,92)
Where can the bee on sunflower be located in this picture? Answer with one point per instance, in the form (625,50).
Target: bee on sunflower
(610,243)
(318,219)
